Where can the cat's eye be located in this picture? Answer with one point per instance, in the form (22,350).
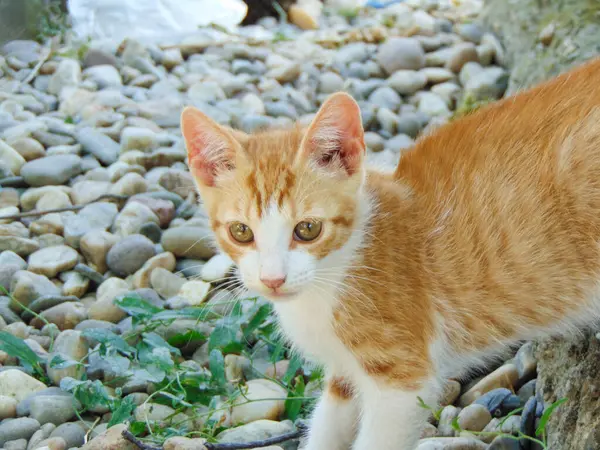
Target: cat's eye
(241,232)
(307,230)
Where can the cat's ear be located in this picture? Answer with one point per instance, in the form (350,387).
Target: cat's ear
(335,138)
(211,148)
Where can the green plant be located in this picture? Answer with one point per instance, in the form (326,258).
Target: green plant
(144,355)
(468,105)
(540,432)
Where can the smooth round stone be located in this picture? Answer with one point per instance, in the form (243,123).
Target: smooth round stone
(460,55)
(129,254)
(52,409)
(28,148)
(399,142)
(50,261)
(255,431)
(499,402)
(188,242)
(470,31)
(22,428)
(72,433)
(386,97)
(474,417)
(18,444)
(374,141)
(432,105)
(330,82)
(449,413)
(399,53)
(51,170)
(11,158)
(407,82)
(8,407)
(104,75)
(504,443)
(65,316)
(98,144)
(152,231)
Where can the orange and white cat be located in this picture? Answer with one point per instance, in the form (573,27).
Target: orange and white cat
(487,232)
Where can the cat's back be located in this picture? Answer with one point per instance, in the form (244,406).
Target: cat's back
(506,202)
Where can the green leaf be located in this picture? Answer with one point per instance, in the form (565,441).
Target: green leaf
(137,428)
(295,364)
(186,338)
(154,340)
(217,367)
(294,405)
(257,320)
(58,362)
(123,411)
(225,337)
(17,348)
(136,307)
(108,338)
(156,356)
(456,425)
(199,314)
(546,416)
(277,353)
(89,393)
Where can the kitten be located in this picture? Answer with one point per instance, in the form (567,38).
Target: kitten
(486,233)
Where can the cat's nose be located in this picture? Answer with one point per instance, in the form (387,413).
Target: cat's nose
(273,283)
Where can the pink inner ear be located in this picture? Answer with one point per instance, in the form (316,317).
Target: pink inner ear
(336,136)
(210,149)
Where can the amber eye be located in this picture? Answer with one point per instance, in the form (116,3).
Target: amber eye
(308,230)
(241,232)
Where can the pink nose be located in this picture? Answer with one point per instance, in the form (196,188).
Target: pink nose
(273,283)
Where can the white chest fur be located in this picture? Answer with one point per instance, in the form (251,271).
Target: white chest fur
(308,322)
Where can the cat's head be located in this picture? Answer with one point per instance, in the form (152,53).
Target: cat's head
(282,204)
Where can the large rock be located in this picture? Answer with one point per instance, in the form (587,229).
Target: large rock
(571,369)
(522,26)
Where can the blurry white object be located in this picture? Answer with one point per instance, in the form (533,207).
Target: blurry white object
(151,20)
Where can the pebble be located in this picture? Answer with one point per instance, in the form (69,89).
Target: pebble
(50,261)
(505,376)
(141,279)
(407,82)
(448,414)
(474,417)
(8,407)
(165,283)
(188,242)
(129,254)
(255,431)
(72,433)
(29,148)
(111,439)
(27,287)
(451,443)
(95,245)
(194,292)
(104,308)
(272,409)
(401,54)
(51,170)
(70,345)
(99,145)
(52,409)
(21,428)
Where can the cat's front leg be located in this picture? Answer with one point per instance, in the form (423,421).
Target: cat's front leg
(334,420)
(391,417)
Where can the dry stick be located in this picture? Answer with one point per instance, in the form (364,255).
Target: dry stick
(38,66)
(139,444)
(230,446)
(66,208)
(256,444)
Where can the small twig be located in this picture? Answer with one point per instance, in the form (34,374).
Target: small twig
(38,66)
(66,208)
(139,444)
(229,446)
(257,444)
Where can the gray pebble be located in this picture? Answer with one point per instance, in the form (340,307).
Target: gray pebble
(51,170)
(129,254)
(14,429)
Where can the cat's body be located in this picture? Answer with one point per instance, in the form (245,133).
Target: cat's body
(488,232)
